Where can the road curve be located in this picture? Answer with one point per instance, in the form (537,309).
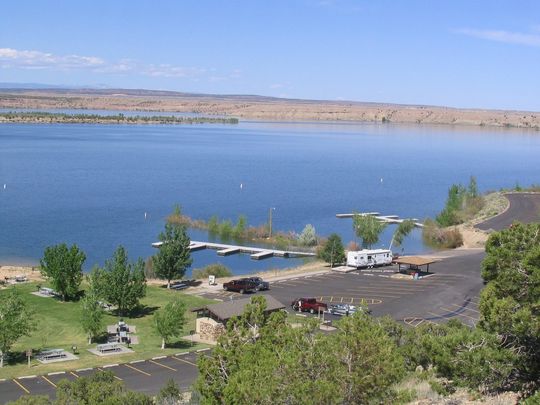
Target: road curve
(524,207)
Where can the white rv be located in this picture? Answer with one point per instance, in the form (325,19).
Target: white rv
(369,258)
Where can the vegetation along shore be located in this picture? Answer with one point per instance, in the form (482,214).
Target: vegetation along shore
(35,117)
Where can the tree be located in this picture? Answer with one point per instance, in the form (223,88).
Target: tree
(455,202)
(308,237)
(63,267)
(91,315)
(509,304)
(402,230)
(122,284)
(262,359)
(239,229)
(16,321)
(369,360)
(472,190)
(173,257)
(471,358)
(169,394)
(169,321)
(368,229)
(332,251)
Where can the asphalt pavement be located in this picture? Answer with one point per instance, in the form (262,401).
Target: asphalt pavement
(524,207)
(147,376)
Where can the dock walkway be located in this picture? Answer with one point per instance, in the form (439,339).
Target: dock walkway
(255,253)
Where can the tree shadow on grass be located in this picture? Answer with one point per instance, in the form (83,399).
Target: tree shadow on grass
(141,312)
(180,344)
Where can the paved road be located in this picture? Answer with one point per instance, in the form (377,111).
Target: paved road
(523,208)
(146,376)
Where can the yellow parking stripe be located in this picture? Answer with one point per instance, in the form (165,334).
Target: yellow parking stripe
(73,374)
(49,381)
(136,369)
(22,386)
(183,361)
(162,365)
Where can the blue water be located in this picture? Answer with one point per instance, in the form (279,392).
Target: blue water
(92,184)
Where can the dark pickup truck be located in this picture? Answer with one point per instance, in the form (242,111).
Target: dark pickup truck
(309,304)
(242,286)
(261,284)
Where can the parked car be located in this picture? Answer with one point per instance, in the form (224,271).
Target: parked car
(242,286)
(308,304)
(346,309)
(261,284)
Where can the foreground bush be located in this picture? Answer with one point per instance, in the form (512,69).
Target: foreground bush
(263,360)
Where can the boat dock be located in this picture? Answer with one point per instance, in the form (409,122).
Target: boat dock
(254,252)
(390,219)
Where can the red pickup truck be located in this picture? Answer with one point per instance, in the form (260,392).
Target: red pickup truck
(309,304)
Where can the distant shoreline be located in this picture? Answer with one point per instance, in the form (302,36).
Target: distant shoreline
(261,108)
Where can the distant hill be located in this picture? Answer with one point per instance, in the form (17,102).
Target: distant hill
(255,107)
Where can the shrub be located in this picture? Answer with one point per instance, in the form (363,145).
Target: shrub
(308,237)
(441,238)
(217,269)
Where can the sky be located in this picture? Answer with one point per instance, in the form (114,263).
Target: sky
(458,53)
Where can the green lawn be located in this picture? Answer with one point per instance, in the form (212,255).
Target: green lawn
(59,327)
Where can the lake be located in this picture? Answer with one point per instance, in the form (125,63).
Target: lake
(93,184)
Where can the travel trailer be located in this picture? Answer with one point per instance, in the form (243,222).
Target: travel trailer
(369,258)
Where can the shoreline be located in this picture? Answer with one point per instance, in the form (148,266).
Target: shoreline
(266,108)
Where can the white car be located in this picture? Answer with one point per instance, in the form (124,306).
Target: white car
(345,309)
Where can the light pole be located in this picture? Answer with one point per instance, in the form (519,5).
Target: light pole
(270,222)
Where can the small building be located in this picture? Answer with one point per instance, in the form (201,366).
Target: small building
(212,319)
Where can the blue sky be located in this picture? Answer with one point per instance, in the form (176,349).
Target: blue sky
(449,52)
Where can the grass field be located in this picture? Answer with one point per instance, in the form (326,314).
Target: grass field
(58,326)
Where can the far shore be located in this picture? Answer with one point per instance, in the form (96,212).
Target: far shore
(263,108)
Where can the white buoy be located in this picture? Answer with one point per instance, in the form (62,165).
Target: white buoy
(381,179)
(145,215)
(5,185)
(241,186)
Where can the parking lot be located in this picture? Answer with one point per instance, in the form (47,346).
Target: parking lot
(450,291)
(141,375)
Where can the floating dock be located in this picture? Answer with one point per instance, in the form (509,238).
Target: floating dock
(390,219)
(254,252)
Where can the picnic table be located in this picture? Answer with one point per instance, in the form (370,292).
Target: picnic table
(109,347)
(52,354)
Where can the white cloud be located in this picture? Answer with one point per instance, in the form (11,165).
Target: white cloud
(31,59)
(42,60)
(503,36)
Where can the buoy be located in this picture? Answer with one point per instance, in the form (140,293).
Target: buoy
(145,215)
(381,179)
(5,185)
(241,186)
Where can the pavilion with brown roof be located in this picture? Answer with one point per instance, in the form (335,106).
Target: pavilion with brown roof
(414,262)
